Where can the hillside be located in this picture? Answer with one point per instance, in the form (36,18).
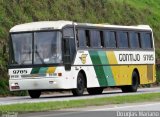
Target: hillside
(123,12)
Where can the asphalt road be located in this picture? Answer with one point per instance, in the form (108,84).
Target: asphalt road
(121,110)
(68,96)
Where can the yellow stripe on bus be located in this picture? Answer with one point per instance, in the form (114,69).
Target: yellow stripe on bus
(51,69)
(121,74)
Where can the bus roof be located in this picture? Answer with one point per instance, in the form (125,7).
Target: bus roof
(141,27)
(41,25)
(51,25)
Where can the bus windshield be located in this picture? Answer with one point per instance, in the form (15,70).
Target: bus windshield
(36,48)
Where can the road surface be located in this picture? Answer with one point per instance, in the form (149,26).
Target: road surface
(151,109)
(68,96)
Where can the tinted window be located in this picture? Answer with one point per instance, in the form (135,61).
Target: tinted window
(102,38)
(22,48)
(68,32)
(122,40)
(110,39)
(81,38)
(47,47)
(87,38)
(134,40)
(95,39)
(146,41)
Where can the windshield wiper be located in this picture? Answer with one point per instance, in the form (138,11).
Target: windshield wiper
(41,59)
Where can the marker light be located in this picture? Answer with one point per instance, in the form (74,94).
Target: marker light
(59,74)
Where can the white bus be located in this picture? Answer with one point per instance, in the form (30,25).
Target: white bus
(64,55)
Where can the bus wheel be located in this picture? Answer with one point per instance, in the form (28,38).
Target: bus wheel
(34,93)
(134,86)
(93,91)
(80,86)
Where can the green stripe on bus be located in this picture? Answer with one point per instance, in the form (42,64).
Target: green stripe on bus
(104,73)
(106,69)
(35,70)
(43,70)
(98,69)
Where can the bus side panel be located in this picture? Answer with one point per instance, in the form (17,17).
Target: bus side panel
(103,68)
(83,62)
(147,74)
(123,72)
(97,68)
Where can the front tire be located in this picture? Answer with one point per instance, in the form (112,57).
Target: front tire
(34,93)
(134,86)
(80,86)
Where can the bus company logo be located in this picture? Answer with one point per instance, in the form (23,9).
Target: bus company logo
(83,58)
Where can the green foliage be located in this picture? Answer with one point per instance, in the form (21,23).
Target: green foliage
(122,12)
(158,75)
(4,89)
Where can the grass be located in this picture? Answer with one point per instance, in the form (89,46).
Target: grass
(56,105)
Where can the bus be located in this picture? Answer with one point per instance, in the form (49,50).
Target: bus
(65,55)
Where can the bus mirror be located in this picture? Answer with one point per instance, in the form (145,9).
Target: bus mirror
(66,56)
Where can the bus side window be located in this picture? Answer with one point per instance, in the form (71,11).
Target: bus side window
(88,42)
(139,39)
(68,33)
(81,38)
(95,39)
(146,40)
(134,40)
(110,39)
(102,38)
(122,39)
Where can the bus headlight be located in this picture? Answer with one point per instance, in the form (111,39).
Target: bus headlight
(15,86)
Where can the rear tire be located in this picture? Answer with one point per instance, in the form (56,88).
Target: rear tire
(80,86)
(94,91)
(134,86)
(34,93)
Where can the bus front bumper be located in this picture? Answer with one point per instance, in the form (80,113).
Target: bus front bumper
(40,84)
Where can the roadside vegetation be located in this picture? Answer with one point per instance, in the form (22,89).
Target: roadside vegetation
(121,12)
(56,105)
